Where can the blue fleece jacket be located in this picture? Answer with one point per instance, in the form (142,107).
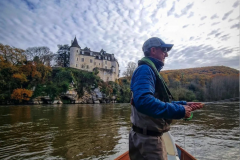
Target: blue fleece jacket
(143,87)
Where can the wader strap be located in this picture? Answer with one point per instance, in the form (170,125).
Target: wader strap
(145,131)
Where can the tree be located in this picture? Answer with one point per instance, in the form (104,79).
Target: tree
(11,54)
(21,94)
(63,55)
(41,54)
(130,69)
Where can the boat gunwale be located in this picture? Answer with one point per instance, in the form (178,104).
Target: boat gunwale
(125,155)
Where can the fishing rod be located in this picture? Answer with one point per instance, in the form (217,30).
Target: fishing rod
(194,106)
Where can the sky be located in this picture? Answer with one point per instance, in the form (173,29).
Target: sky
(204,32)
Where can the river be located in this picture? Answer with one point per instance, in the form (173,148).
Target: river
(100,131)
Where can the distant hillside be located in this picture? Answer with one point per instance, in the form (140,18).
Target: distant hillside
(200,84)
(199,75)
(209,71)
(207,83)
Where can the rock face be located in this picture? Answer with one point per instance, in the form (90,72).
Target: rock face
(86,98)
(71,96)
(45,100)
(96,96)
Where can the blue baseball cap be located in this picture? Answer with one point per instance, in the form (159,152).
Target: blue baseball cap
(156,42)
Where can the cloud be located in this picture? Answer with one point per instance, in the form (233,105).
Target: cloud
(214,16)
(185,10)
(122,28)
(202,18)
(213,32)
(209,57)
(190,15)
(235,26)
(216,35)
(215,23)
(171,11)
(226,15)
(191,38)
(236,4)
(225,37)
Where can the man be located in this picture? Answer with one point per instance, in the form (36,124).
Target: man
(152,109)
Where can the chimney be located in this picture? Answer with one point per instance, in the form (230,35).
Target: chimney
(112,57)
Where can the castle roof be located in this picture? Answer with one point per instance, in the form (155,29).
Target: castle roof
(75,43)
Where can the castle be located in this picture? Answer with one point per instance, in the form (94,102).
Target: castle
(88,60)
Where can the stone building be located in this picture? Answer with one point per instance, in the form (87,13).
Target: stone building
(85,59)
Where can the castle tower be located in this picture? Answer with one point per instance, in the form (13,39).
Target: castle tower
(74,51)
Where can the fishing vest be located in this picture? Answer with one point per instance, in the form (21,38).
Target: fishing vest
(162,93)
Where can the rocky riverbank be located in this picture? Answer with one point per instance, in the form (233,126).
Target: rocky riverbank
(71,97)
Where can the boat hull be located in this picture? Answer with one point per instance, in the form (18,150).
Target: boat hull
(183,155)
(174,152)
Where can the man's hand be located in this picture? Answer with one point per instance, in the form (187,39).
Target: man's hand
(188,110)
(195,105)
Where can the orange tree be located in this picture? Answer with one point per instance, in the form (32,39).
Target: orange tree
(21,94)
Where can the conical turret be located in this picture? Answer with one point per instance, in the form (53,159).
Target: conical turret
(75,50)
(75,43)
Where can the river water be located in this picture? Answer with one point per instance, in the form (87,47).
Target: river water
(100,131)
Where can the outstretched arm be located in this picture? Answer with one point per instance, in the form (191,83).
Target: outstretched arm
(143,88)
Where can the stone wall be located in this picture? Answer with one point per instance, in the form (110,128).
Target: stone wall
(88,63)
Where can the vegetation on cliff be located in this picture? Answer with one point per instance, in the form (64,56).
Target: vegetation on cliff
(23,79)
(25,75)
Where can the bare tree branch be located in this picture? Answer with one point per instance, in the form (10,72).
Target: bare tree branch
(130,69)
(44,54)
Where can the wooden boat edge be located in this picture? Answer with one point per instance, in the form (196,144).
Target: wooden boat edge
(184,155)
(124,156)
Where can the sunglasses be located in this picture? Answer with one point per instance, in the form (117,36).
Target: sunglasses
(163,49)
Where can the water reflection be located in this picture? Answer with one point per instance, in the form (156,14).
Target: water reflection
(101,131)
(213,133)
(62,131)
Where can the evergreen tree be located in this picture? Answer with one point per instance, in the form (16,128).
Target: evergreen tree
(63,55)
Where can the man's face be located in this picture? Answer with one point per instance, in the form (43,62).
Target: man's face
(158,53)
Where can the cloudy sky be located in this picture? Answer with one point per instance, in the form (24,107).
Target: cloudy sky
(204,32)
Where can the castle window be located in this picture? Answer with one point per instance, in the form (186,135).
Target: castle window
(77,59)
(77,51)
(82,66)
(99,64)
(76,65)
(108,58)
(82,59)
(94,63)
(105,57)
(99,57)
(90,60)
(82,52)
(105,62)
(105,67)
(87,66)
(107,78)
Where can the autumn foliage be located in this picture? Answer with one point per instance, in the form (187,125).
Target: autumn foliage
(23,77)
(19,76)
(203,83)
(21,94)
(200,75)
